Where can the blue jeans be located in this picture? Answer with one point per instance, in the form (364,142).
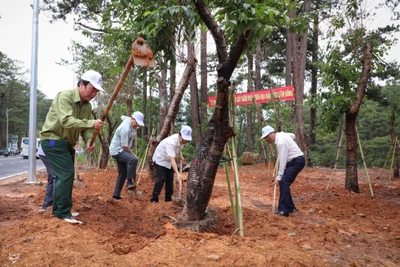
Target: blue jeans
(126,169)
(292,170)
(51,183)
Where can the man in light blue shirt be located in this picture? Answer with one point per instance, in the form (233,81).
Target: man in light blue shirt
(120,150)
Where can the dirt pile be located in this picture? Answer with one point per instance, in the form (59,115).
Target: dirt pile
(333,228)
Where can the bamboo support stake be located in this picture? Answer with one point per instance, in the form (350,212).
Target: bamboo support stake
(387,157)
(365,165)
(145,157)
(275,173)
(228,148)
(239,214)
(228,181)
(337,157)
(237,191)
(391,165)
(99,159)
(180,180)
(274,200)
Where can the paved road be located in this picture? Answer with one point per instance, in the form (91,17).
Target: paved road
(15,165)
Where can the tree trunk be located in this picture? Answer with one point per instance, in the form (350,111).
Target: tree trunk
(351,183)
(249,128)
(105,152)
(257,76)
(172,86)
(194,97)
(351,154)
(299,65)
(206,160)
(203,86)
(146,129)
(314,74)
(288,65)
(171,114)
(162,89)
(395,143)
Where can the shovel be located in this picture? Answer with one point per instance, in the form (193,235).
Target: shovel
(141,55)
(78,182)
(180,180)
(179,201)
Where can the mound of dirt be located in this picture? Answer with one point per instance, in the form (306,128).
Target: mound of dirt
(333,228)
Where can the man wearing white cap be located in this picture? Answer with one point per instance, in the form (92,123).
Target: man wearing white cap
(165,161)
(120,150)
(291,161)
(69,116)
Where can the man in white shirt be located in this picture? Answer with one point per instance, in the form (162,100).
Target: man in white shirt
(291,161)
(165,162)
(120,150)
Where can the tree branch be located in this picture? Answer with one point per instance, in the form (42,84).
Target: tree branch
(218,35)
(364,77)
(91,28)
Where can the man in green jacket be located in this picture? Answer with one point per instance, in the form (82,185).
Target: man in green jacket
(69,116)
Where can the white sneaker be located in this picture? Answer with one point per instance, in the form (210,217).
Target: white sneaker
(72,220)
(75,214)
(41,210)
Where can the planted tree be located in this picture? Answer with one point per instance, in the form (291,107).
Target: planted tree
(346,73)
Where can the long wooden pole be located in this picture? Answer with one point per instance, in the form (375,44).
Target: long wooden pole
(365,165)
(228,181)
(114,96)
(387,157)
(337,157)
(239,213)
(145,157)
(391,165)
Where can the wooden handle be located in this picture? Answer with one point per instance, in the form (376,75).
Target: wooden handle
(116,91)
(180,180)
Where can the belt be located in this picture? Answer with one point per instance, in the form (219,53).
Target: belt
(293,159)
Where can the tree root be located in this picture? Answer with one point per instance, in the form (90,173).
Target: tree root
(210,219)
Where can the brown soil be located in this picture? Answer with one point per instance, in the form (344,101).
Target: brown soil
(333,228)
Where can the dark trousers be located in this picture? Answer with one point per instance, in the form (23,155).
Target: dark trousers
(61,156)
(126,169)
(292,170)
(166,176)
(51,183)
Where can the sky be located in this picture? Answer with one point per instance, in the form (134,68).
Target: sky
(16,18)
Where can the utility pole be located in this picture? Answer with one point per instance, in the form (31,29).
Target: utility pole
(33,97)
(9,109)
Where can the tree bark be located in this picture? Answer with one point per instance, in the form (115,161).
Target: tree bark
(206,160)
(194,97)
(147,126)
(105,152)
(314,74)
(299,66)
(395,143)
(249,128)
(351,183)
(162,88)
(171,114)
(288,65)
(203,86)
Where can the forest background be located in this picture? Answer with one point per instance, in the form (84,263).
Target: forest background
(113,25)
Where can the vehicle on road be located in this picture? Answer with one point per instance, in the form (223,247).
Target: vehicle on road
(4,152)
(25,147)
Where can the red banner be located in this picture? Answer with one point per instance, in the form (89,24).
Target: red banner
(285,93)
